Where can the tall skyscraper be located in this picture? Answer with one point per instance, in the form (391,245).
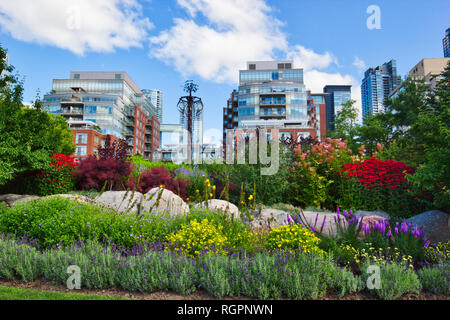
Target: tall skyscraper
(230,116)
(272,95)
(197,133)
(376,86)
(156,97)
(110,102)
(446,43)
(336,96)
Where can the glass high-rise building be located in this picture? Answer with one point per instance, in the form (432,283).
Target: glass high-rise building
(156,97)
(112,102)
(446,43)
(376,86)
(272,95)
(336,96)
(197,133)
(271,90)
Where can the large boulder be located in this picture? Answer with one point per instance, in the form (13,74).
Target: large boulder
(122,201)
(361,214)
(435,223)
(12,199)
(271,218)
(222,205)
(159,200)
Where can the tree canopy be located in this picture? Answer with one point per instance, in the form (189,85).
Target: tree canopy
(28,135)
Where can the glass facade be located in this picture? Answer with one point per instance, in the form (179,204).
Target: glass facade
(271,94)
(108,102)
(376,86)
(337,96)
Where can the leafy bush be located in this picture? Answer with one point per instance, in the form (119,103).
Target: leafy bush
(437,252)
(437,278)
(199,237)
(395,281)
(148,268)
(111,170)
(158,176)
(60,221)
(293,237)
(314,177)
(378,185)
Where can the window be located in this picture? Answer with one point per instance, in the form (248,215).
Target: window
(96,139)
(76,76)
(81,151)
(252,66)
(118,76)
(81,138)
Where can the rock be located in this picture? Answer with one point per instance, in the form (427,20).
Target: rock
(435,225)
(222,205)
(381,214)
(122,201)
(270,218)
(159,200)
(12,199)
(71,197)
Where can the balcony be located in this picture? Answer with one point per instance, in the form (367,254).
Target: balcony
(71,111)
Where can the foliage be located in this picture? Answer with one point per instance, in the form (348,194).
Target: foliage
(160,176)
(197,181)
(396,280)
(28,136)
(111,170)
(293,237)
(56,177)
(437,252)
(199,237)
(375,184)
(148,268)
(346,125)
(314,178)
(437,278)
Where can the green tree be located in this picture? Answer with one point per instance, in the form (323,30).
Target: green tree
(346,125)
(28,135)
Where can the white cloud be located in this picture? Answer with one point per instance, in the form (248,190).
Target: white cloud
(359,64)
(308,59)
(76,25)
(236,32)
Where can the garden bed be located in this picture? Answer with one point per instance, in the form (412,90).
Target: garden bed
(46,285)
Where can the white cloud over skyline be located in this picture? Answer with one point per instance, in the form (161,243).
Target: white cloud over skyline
(236,32)
(76,25)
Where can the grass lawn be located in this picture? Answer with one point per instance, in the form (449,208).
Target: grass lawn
(12,293)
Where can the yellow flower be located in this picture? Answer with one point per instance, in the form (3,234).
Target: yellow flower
(250,197)
(161,186)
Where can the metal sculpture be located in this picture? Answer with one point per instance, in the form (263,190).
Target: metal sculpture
(190,106)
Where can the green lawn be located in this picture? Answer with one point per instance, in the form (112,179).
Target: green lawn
(12,293)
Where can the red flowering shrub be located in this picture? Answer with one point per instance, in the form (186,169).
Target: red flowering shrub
(55,177)
(111,168)
(375,172)
(374,184)
(158,176)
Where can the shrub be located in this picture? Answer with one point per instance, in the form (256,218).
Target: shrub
(293,237)
(437,252)
(315,171)
(378,185)
(437,278)
(198,237)
(158,176)
(395,281)
(111,170)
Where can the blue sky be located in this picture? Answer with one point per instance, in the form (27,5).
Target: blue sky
(162,43)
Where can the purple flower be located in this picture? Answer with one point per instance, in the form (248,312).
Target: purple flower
(396,230)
